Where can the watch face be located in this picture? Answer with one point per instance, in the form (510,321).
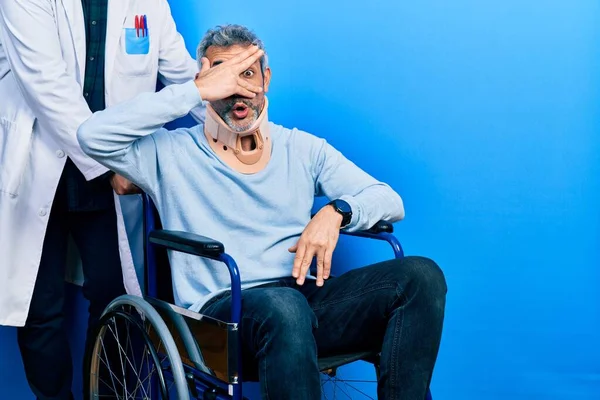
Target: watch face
(344,209)
(343,206)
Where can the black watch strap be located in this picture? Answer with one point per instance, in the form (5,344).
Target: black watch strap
(344,209)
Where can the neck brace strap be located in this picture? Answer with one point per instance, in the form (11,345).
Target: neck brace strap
(227,143)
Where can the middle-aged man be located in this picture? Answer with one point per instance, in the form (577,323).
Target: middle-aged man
(251,184)
(61,60)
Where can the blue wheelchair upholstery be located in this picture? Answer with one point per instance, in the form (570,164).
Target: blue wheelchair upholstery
(158,274)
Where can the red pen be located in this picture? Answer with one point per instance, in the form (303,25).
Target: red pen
(137,26)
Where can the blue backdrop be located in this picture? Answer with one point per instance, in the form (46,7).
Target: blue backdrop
(485,117)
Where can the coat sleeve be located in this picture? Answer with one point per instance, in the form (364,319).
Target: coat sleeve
(175,65)
(30,39)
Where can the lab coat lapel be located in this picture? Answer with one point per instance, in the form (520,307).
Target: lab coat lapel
(117,13)
(74,12)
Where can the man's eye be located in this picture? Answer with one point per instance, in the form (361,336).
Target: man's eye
(248,73)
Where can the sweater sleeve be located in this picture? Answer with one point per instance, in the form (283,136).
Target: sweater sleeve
(124,137)
(336,177)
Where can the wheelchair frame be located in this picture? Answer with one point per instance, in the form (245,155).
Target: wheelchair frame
(195,374)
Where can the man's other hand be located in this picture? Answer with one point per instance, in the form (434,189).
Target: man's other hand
(123,186)
(223,80)
(318,240)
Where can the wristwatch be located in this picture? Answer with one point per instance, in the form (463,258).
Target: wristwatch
(344,209)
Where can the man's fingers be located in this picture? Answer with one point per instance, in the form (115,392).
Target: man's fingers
(305,264)
(327,263)
(245,64)
(320,266)
(248,53)
(205,64)
(246,87)
(245,93)
(253,49)
(300,249)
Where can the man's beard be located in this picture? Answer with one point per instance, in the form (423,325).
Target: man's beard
(225,113)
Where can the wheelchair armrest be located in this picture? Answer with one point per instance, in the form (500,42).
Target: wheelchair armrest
(380,227)
(188,243)
(203,246)
(380,231)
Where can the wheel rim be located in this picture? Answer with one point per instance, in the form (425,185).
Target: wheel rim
(125,362)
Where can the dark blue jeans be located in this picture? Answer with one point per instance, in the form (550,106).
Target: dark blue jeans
(396,307)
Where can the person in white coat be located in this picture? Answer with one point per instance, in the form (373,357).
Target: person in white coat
(60,61)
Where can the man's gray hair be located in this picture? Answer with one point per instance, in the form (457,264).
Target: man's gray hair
(230,35)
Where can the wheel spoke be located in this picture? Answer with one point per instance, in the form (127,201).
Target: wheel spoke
(137,360)
(332,387)
(128,361)
(113,377)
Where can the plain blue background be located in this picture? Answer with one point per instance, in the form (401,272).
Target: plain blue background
(485,117)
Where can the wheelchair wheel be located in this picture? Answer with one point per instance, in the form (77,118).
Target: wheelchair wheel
(348,385)
(133,355)
(344,383)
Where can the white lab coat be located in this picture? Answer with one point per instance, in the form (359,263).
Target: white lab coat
(42,66)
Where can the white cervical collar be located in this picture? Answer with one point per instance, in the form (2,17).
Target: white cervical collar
(226,143)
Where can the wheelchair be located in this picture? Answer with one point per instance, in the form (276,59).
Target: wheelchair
(149,348)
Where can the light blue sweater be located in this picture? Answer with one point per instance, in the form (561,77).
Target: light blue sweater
(257,217)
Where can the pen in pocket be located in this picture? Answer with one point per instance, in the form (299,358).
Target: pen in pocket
(141,25)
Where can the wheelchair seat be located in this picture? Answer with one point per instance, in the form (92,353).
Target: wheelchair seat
(331,363)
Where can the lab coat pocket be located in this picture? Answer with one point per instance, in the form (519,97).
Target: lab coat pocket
(135,58)
(135,44)
(14,152)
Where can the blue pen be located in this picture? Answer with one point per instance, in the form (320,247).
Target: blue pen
(145,26)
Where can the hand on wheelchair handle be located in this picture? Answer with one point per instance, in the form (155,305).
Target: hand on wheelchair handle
(318,240)
(123,186)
